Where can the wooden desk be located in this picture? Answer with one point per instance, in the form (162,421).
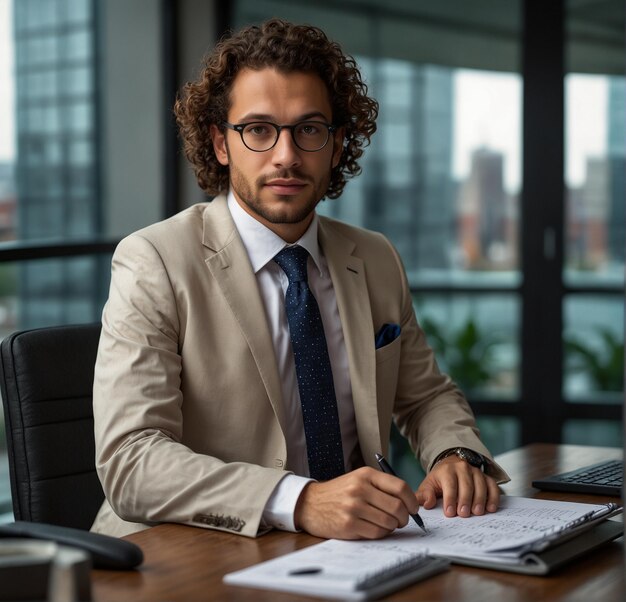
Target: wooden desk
(187,563)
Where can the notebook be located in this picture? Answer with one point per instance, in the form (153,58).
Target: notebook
(526,536)
(604,478)
(516,537)
(341,570)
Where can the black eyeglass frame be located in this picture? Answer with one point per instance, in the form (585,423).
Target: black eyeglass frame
(239,127)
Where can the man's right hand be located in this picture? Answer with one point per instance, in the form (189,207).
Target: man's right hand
(363,504)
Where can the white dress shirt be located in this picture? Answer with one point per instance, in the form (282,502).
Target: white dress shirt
(262,245)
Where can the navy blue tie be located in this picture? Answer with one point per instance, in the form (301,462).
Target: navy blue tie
(313,370)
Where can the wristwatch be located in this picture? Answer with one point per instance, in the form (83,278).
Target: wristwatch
(471,457)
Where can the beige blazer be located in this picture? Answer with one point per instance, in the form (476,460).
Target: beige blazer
(188,408)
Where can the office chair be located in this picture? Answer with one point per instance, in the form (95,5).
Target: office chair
(46,379)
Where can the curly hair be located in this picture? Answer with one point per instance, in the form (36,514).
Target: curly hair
(288,48)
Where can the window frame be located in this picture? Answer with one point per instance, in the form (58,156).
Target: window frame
(541,407)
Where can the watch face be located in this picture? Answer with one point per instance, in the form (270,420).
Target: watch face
(470,457)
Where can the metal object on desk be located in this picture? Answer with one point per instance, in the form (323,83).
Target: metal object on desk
(42,570)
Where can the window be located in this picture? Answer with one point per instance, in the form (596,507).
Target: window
(70,70)
(53,159)
(594,223)
(594,238)
(509,274)
(443,179)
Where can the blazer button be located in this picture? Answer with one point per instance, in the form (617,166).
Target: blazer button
(278,463)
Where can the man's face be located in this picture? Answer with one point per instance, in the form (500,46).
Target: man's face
(282,186)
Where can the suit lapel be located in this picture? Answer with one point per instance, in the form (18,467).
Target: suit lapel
(230,267)
(348,275)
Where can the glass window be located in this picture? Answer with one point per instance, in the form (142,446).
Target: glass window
(78,11)
(448,194)
(441,179)
(32,16)
(57,291)
(53,152)
(81,153)
(499,433)
(6,511)
(76,81)
(395,139)
(8,323)
(47,14)
(595,222)
(42,293)
(49,170)
(50,120)
(42,50)
(41,214)
(80,217)
(594,348)
(76,46)
(593,432)
(50,108)
(595,167)
(398,94)
(78,117)
(8,298)
(476,340)
(81,185)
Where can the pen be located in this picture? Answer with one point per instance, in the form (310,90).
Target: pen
(386,467)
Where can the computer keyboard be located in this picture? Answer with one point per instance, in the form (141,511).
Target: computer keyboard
(604,478)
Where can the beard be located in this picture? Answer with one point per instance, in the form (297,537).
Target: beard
(283,209)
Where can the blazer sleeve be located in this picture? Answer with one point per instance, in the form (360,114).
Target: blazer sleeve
(147,474)
(430,410)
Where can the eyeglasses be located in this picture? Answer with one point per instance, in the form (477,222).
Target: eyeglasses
(261,136)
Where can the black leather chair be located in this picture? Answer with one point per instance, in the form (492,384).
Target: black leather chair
(46,379)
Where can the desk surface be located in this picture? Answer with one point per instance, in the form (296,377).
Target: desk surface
(188,563)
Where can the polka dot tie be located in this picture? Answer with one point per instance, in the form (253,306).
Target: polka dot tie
(313,370)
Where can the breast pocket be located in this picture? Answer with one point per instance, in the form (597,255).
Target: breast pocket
(387,366)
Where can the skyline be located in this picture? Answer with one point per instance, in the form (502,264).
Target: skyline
(7,87)
(487,114)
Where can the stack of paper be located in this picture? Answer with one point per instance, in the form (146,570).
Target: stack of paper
(525,535)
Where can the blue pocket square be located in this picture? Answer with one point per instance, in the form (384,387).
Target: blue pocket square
(387,334)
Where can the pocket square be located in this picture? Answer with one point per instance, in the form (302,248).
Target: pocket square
(387,334)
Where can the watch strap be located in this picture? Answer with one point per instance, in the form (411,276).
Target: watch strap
(468,455)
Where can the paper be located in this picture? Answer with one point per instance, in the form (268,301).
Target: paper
(347,568)
(340,569)
(518,521)
(342,564)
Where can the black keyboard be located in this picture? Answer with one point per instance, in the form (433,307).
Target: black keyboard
(604,478)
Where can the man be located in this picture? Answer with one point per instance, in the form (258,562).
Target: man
(248,344)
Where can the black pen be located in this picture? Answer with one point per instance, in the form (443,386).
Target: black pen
(386,467)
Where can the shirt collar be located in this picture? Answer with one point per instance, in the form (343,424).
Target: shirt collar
(262,244)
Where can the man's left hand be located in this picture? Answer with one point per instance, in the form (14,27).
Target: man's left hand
(465,489)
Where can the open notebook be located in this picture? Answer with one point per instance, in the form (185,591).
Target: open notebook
(525,535)
(517,537)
